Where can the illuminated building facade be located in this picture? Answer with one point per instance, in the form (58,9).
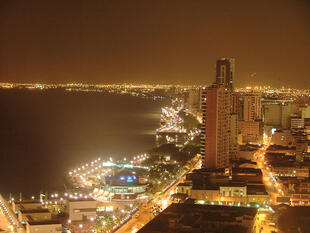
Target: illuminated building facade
(51,226)
(216,110)
(203,126)
(81,209)
(249,106)
(251,131)
(297,123)
(276,114)
(291,170)
(225,72)
(125,186)
(217,126)
(233,144)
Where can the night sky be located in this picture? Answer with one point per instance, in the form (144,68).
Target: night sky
(154,41)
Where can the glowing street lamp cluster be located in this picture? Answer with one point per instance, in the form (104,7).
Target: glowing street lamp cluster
(95,169)
(139,158)
(171,121)
(268,177)
(87,167)
(91,173)
(7,212)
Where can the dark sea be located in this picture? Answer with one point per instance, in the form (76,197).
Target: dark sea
(45,133)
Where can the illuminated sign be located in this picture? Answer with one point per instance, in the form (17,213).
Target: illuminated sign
(108,164)
(129,179)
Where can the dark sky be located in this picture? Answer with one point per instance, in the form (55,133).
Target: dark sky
(154,41)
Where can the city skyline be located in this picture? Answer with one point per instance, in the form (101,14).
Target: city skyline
(158,116)
(147,42)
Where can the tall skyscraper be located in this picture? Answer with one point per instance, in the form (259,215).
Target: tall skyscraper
(216,110)
(225,72)
(217,126)
(203,103)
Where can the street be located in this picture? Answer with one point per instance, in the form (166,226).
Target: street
(272,186)
(145,213)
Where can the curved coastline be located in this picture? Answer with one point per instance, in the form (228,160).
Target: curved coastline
(57,130)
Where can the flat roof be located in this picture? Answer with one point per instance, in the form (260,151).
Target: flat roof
(28,202)
(184,184)
(207,187)
(256,190)
(251,187)
(48,222)
(33,211)
(184,217)
(88,199)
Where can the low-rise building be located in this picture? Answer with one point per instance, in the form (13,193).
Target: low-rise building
(274,149)
(81,209)
(125,186)
(207,193)
(290,170)
(44,227)
(228,186)
(283,138)
(293,219)
(297,190)
(26,204)
(257,194)
(179,218)
(231,194)
(222,176)
(245,154)
(230,190)
(42,214)
(185,188)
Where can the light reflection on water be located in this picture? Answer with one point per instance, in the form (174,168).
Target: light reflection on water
(45,133)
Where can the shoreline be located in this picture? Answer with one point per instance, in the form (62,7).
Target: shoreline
(52,188)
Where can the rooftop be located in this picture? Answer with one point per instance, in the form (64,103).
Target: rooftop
(88,199)
(201,218)
(256,190)
(28,202)
(32,211)
(48,222)
(184,184)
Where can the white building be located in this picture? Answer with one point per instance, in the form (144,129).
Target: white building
(82,209)
(44,227)
(42,214)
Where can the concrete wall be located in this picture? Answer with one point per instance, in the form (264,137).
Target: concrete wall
(35,216)
(248,155)
(258,198)
(283,138)
(28,206)
(79,210)
(50,228)
(207,195)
